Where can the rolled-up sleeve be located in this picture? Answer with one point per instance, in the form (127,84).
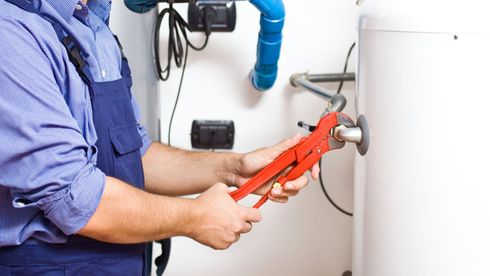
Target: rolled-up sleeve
(141,128)
(43,155)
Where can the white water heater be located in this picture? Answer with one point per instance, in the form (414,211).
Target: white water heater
(422,192)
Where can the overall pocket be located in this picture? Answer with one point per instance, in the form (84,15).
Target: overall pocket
(126,142)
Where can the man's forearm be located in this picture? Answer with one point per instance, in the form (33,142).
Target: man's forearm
(175,172)
(128,215)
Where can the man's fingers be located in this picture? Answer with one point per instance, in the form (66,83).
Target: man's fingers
(296,185)
(283,146)
(279,199)
(252,215)
(291,188)
(280,192)
(220,187)
(287,143)
(247,227)
(315,172)
(276,192)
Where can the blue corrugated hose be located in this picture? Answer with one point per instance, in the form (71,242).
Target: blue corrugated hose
(264,74)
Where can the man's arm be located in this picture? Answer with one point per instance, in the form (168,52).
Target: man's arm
(128,215)
(175,172)
(45,165)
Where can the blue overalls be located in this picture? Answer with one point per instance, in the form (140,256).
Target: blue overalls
(119,156)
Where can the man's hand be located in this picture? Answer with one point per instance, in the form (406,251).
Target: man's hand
(251,163)
(218,220)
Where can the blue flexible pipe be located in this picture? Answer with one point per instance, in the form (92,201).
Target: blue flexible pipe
(272,17)
(264,73)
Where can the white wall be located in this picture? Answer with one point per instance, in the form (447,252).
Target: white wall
(306,236)
(135,32)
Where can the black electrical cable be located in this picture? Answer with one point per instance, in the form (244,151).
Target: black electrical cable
(178,95)
(341,85)
(177,27)
(322,184)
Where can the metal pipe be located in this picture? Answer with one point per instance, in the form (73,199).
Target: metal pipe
(351,135)
(331,77)
(318,90)
(335,102)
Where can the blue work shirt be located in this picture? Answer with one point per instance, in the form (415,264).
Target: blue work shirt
(49,183)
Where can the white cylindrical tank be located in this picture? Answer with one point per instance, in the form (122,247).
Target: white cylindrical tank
(422,193)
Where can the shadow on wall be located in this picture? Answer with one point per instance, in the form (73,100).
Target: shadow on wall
(250,97)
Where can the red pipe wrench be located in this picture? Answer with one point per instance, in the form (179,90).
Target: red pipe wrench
(300,158)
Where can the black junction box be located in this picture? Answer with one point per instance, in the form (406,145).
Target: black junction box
(222,15)
(212,134)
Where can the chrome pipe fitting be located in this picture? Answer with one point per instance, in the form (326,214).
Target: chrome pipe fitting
(335,102)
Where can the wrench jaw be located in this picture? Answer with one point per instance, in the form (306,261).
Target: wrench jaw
(334,144)
(343,119)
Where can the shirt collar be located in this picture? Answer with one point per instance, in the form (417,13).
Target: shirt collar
(101,8)
(64,8)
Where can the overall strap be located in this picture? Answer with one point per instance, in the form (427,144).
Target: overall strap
(71,45)
(26,5)
(125,70)
(123,56)
(75,55)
